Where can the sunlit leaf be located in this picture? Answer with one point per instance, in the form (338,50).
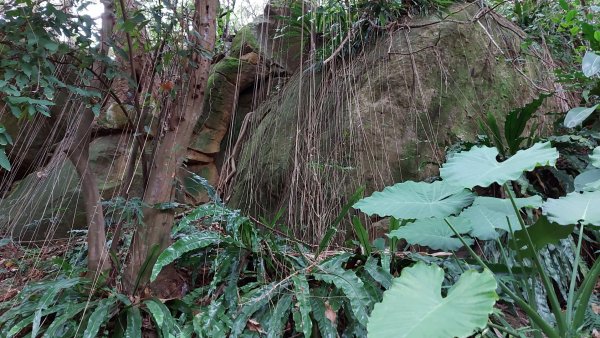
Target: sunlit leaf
(414,306)
(488,214)
(576,116)
(182,246)
(415,200)
(590,64)
(479,167)
(573,208)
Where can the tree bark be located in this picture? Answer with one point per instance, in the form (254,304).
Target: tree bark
(78,153)
(172,147)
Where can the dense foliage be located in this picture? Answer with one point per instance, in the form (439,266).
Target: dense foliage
(465,253)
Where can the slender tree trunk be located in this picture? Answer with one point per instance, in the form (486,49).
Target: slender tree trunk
(78,152)
(172,147)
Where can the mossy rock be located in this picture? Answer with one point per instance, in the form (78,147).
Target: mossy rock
(385,116)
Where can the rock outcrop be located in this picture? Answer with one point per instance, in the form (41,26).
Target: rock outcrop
(382,116)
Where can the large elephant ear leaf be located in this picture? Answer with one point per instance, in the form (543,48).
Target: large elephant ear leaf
(574,208)
(434,233)
(479,167)
(416,200)
(425,313)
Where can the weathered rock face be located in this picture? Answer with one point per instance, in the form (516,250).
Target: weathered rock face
(382,116)
(375,118)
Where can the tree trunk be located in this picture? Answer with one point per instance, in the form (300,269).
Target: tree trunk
(78,153)
(171,149)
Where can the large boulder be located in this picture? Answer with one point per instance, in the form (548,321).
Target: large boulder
(383,116)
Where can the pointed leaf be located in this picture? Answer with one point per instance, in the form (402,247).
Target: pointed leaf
(4,161)
(434,233)
(134,323)
(415,200)
(541,233)
(425,313)
(279,316)
(591,64)
(182,246)
(302,293)
(573,208)
(576,116)
(98,317)
(479,167)
(331,271)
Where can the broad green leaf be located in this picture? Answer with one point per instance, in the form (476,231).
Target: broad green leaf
(302,293)
(331,271)
(98,317)
(415,200)
(541,233)
(479,167)
(576,116)
(588,180)
(134,323)
(434,233)
(182,246)
(591,64)
(414,306)
(489,213)
(595,157)
(573,208)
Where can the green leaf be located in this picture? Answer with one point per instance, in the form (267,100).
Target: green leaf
(425,313)
(516,122)
(98,317)
(326,326)
(541,233)
(488,214)
(434,233)
(302,293)
(479,167)
(595,157)
(182,246)
(58,322)
(591,64)
(213,322)
(332,272)
(588,180)
(415,200)
(255,300)
(134,323)
(379,274)
(4,162)
(576,116)
(279,317)
(362,234)
(574,208)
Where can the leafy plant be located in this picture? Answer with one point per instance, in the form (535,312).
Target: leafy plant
(494,219)
(426,313)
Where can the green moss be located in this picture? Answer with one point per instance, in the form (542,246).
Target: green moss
(245,36)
